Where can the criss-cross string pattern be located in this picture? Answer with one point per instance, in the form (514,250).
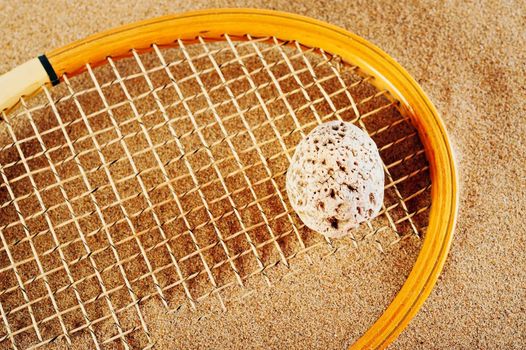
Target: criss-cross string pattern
(162,175)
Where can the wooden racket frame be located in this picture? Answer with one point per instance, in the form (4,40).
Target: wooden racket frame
(388,74)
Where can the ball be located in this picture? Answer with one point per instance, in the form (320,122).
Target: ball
(336,179)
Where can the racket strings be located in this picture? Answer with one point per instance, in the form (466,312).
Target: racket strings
(190,152)
(221,160)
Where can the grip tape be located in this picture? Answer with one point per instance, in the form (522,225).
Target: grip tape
(49,70)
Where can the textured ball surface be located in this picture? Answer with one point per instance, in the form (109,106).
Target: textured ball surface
(335,180)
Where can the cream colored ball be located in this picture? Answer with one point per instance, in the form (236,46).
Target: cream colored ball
(336,180)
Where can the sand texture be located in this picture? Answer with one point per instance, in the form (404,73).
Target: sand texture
(469,58)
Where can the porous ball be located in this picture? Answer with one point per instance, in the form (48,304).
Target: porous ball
(335,180)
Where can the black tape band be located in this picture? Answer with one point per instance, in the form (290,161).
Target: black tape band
(49,70)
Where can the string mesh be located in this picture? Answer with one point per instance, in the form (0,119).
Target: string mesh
(162,175)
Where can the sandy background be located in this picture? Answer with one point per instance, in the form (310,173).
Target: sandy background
(470,59)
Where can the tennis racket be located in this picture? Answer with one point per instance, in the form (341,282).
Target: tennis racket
(146,164)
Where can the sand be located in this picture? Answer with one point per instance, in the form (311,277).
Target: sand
(470,62)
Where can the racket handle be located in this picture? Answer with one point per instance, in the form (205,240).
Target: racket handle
(23,80)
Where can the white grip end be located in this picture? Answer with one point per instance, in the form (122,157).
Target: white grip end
(24,80)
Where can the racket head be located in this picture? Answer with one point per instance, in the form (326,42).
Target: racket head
(212,25)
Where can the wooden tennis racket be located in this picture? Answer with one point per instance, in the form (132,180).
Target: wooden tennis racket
(148,163)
